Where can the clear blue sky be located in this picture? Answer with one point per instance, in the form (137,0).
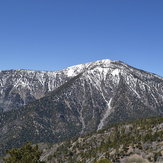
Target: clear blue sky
(54,34)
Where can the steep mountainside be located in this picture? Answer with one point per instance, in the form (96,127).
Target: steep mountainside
(87,98)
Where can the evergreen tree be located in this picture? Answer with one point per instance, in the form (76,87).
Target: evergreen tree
(25,154)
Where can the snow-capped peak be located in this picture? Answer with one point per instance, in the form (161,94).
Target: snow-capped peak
(74,70)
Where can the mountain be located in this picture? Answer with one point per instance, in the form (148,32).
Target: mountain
(77,101)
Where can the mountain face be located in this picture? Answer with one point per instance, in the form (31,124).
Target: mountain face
(75,101)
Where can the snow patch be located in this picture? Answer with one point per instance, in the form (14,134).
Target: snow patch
(70,73)
(115,72)
(101,124)
(81,119)
(75,70)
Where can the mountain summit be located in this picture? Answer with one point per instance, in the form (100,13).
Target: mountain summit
(42,106)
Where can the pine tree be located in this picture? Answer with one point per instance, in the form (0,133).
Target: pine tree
(25,154)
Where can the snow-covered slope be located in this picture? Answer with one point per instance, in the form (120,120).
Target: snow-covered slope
(20,87)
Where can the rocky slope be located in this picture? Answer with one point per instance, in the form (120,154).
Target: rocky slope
(85,98)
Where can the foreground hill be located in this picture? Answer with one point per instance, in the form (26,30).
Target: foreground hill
(139,142)
(90,97)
